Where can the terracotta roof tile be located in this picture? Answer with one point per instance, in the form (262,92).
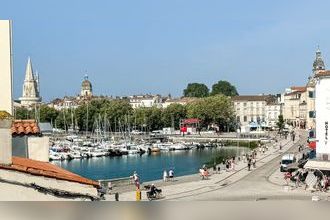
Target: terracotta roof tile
(46,169)
(25,127)
(322,73)
(298,88)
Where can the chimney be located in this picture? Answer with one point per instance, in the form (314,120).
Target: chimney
(5,141)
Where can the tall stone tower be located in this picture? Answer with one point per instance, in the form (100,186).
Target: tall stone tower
(31,93)
(86,88)
(318,62)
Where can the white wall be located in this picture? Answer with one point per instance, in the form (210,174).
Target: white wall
(38,148)
(322,106)
(6,93)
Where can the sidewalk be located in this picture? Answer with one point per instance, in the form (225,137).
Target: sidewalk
(191,186)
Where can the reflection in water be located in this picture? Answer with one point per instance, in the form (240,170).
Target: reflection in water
(149,167)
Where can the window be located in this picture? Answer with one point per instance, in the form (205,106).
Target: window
(312,114)
(238,119)
(311,94)
(245,119)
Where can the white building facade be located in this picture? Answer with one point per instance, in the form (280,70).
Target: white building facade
(145,101)
(6,70)
(250,109)
(322,107)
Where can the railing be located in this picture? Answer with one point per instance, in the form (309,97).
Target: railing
(125,181)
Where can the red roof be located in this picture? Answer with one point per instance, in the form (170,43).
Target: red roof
(298,88)
(25,127)
(45,169)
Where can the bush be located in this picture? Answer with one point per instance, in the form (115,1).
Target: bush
(5,115)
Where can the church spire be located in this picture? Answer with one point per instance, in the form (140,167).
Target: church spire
(29,71)
(31,93)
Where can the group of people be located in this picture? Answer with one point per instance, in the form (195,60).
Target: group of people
(168,176)
(299,178)
(251,159)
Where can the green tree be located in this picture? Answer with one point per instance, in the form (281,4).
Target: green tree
(172,114)
(47,114)
(118,113)
(212,110)
(280,123)
(196,90)
(148,118)
(22,113)
(224,88)
(63,120)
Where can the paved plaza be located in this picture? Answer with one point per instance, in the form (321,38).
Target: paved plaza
(264,182)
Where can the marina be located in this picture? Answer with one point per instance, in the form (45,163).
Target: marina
(183,160)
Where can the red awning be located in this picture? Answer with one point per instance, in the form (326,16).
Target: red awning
(312,145)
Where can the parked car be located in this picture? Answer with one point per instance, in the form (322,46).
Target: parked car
(286,160)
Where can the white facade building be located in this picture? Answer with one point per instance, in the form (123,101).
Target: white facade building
(322,107)
(272,111)
(6,70)
(251,109)
(295,106)
(147,101)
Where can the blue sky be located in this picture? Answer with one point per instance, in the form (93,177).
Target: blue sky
(155,46)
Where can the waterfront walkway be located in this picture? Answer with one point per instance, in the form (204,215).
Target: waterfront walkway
(193,188)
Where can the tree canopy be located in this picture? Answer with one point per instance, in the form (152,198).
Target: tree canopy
(224,88)
(214,109)
(196,90)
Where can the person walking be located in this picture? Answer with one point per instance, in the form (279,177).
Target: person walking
(136,179)
(171,174)
(249,164)
(254,162)
(165,176)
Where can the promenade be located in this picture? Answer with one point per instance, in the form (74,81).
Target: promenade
(263,182)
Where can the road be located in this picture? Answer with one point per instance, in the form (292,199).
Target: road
(254,186)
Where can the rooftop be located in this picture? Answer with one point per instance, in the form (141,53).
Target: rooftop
(251,98)
(323,73)
(298,88)
(25,127)
(45,169)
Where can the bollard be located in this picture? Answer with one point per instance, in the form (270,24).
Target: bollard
(117,196)
(138,195)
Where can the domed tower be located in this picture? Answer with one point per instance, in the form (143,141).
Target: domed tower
(318,62)
(86,87)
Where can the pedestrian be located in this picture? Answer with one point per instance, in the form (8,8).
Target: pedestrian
(249,164)
(165,176)
(136,179)
(171,174)
(219,169)
(263,150)
(254,163)
(227,165)
(214,167)
(232,165)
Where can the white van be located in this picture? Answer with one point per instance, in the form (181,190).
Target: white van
(286,160)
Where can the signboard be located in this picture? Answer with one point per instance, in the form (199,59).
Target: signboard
(322,106)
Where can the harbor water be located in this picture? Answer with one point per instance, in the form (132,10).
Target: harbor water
(149,167)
